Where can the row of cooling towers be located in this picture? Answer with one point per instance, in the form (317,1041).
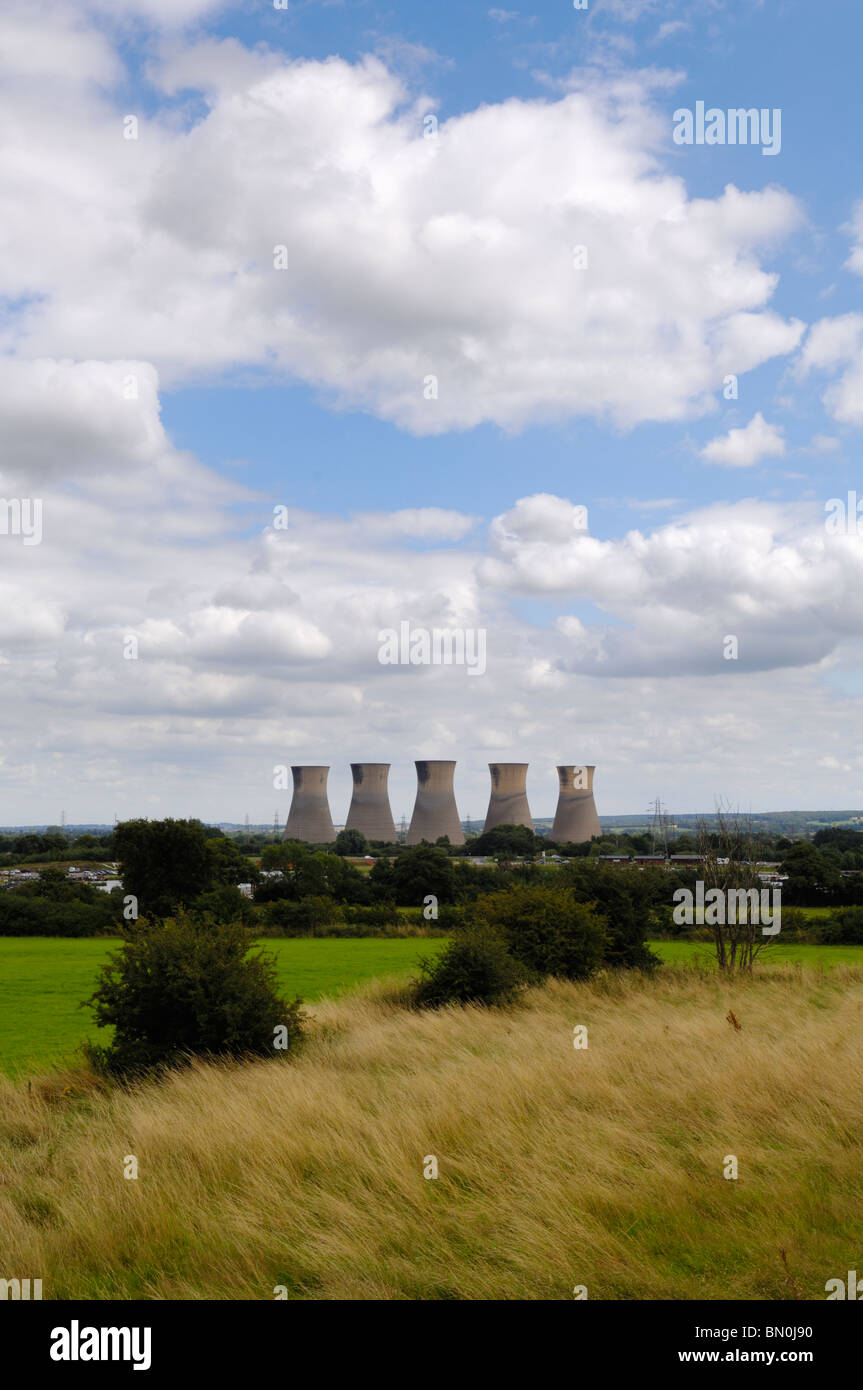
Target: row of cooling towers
(435,813)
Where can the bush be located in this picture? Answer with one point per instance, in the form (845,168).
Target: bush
(843,928)
(351,842)
(508,841)
(450,918)
(302,918)
(26,912)
(796,926)
(378,915)
(224,904)
(626,899)
(420,871)
(547,930)
(476,968)
(187,987)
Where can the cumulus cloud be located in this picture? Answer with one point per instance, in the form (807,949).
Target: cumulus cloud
(421,288)
(162,14)
(72,418)
(259,649)
(53,42)
(742,448)
(410,283)
(855,260)
(832,343)
(785,588)
(835,346)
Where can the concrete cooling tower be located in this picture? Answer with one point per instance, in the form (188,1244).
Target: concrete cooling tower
(575,820)
(435,812)
(370,803)
(309,818)
(508,803)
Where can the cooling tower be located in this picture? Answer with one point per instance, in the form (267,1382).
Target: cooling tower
(309,817)
(370,803)
(508,802)
(575,819)
(435,812)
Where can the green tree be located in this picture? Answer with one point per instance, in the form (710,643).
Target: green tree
(509,841)
(624,898)
(423,870)
(188,987)
(547,930)
(838,837)
(308,872)
(813,879)
(228,865)
(351,842)
(164,863)
(843,928)
(224,903)
(381,881)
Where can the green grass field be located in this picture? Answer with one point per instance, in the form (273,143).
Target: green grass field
(820,957)
(43,980)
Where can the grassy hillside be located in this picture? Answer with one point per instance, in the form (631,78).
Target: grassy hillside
(558,1167)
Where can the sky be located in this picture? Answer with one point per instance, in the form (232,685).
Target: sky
(323,319)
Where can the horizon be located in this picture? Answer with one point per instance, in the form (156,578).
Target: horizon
(266,827)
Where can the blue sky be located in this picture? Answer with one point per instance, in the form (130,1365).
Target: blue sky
(151,261)
(789,55)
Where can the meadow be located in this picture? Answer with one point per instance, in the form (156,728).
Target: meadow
(557,1167)
(43,980)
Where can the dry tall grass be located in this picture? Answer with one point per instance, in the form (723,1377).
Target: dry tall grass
(558,1167)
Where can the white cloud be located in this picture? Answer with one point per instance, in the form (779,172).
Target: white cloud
(824,444)
(742,448)
(211,65)
(73,418)
(405,260)
(262,649)
(152,260)
(669,29)
(855,260)
(46,42)
(781,584)
(833,343)
(163,14)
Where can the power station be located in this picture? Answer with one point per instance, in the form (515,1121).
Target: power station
(575,819)
(508,802)
(435,812)
(309,818)
(370,802)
